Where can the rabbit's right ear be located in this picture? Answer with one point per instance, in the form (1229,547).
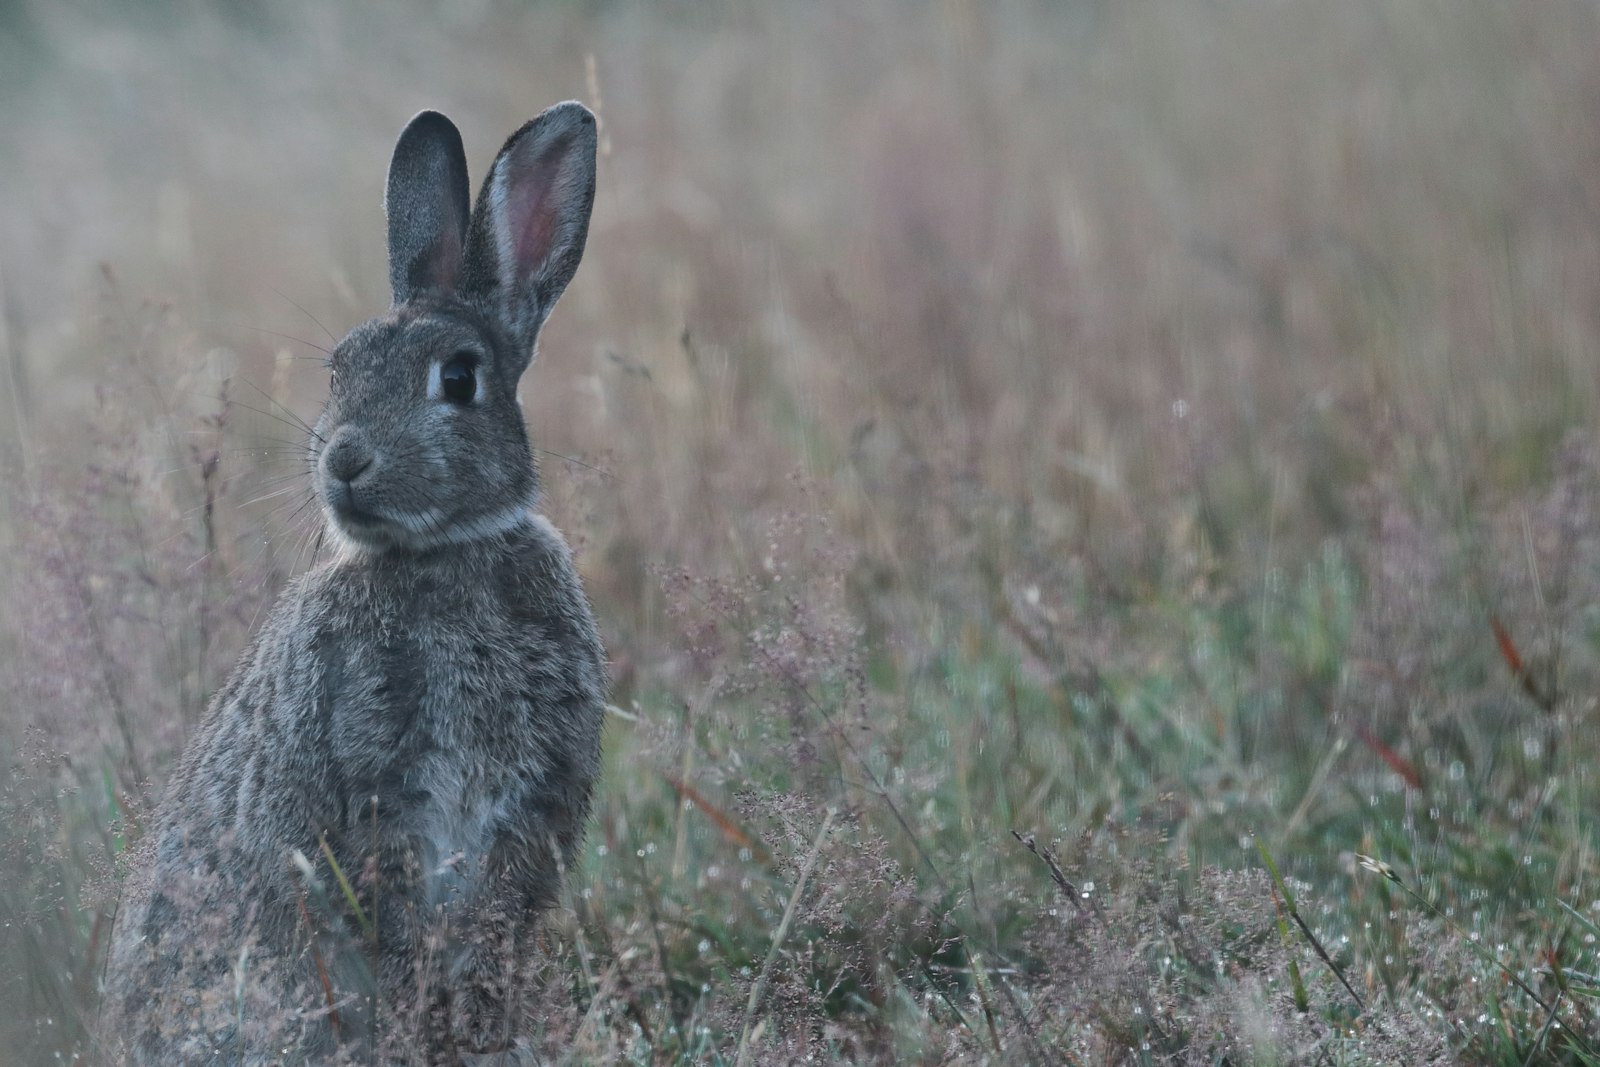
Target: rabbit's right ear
(428,201)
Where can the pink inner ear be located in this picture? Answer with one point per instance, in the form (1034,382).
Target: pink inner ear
(531,207)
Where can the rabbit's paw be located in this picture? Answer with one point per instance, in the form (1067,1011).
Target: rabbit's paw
(478,1016)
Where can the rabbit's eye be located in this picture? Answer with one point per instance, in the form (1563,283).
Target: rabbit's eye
(458,378)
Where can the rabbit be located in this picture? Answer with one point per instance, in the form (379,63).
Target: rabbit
(359,839)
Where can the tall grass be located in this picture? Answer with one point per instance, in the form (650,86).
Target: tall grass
(1166,431)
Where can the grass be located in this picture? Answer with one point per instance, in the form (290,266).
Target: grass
(1093,507)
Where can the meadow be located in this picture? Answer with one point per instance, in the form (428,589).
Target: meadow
(1094,507)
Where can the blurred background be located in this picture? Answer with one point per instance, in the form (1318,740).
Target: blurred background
(1165,429)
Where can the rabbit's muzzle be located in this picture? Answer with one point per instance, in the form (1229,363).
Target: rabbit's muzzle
(347,456)
(347,482)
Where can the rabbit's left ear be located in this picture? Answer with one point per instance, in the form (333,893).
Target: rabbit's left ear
(427,199)
(532,219)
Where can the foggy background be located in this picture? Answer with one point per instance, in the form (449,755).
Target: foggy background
(1219,377)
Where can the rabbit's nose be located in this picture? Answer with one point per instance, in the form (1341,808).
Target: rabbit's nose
(346,458)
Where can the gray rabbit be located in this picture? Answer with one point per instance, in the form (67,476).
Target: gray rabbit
(379,804)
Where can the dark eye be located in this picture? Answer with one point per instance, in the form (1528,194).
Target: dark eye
(458,378)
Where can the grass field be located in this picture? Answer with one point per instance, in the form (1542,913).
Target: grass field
(1094,507)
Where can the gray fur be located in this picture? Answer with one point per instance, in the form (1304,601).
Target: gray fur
(427,704)
(427,201)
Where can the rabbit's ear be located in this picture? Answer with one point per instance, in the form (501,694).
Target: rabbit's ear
(532,219)
(427,200)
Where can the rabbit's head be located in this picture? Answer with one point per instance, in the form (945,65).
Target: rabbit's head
(422,442)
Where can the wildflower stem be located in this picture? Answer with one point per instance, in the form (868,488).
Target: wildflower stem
(1316,944)
(756,991)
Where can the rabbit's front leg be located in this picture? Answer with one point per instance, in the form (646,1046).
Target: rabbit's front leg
(484,987)
(397,928)
(522,880)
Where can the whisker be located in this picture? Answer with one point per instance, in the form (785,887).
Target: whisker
(269,496)
(259,411)
(304,312)
(273,400)
(578,462)
(310,498)
(287,521)
(247,448)
(275,333)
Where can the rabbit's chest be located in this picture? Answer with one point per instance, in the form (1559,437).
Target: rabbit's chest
(448,701)
(444,809)
(454,833)
(443,734)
